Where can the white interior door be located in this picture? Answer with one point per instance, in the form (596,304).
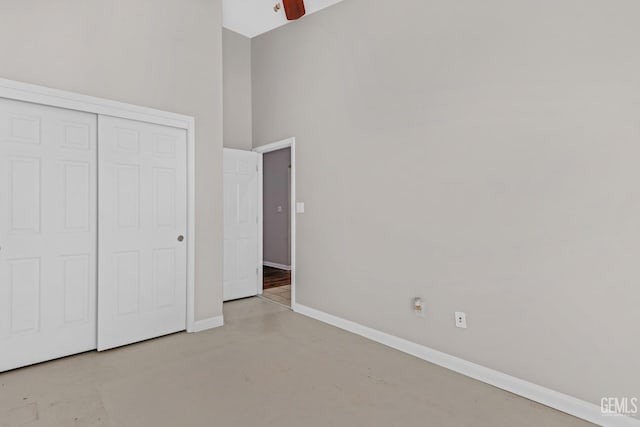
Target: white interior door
(142,279)
(240,224)
(47,233)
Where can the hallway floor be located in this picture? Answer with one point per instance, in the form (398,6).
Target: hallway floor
(268,366)
(277,285)
(281,295)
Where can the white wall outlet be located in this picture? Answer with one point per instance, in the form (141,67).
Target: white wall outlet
(300,207)
(461,319)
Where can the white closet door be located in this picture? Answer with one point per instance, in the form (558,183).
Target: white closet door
(142,280)
(47,233)
(240,224)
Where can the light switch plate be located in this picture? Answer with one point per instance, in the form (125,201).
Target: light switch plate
(300,207)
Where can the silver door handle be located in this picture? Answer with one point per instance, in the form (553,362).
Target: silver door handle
(180,238)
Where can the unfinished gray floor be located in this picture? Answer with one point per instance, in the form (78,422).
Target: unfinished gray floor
(266,367)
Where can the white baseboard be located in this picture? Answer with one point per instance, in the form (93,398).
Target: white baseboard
(210,323)
(562,402)
(276,265)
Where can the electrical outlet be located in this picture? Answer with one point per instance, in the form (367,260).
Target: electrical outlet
(418,307)
(461,319)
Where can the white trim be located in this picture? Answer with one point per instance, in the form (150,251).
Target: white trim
(285,143)
(191,224)
(276,265)
(26,92)
(260,283)
(275,146)
(562,402)
(74,101)
(210,323)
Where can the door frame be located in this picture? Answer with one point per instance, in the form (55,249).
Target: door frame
(274,146)
(42,95)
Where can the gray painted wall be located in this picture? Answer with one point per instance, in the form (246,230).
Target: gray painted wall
(276,193)
(482,155)
(165,54)
(236,58)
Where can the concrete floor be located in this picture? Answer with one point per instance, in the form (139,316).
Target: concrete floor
(266,367)
(281,295)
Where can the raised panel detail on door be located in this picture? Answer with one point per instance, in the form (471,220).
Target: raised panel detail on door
(142,279)
(229,260)
(77,195)
(126,140)
(48,233)
(24,276)
(164,146)
(77,287)
(164,198)
(127,196)
(245,251)
(244,202)
(77,136)
(24,194)
(240,224)
(24,129)
(164,277)
(127,277)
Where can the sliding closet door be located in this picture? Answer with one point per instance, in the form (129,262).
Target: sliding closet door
(47,233)
(142,234)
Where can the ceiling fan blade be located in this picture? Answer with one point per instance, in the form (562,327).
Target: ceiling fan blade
(294,9)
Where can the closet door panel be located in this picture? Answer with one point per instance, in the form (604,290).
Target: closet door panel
(142,236)
(48,233)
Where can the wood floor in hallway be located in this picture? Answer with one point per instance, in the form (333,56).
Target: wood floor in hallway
(277,285)
(275,277)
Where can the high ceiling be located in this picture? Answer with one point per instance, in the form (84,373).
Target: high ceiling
(254,17)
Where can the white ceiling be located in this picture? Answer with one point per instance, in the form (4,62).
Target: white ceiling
(254,17)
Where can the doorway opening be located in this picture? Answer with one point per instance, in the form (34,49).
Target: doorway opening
(277,223)
(276,284)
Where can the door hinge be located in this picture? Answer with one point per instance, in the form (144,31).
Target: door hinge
(257,270)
